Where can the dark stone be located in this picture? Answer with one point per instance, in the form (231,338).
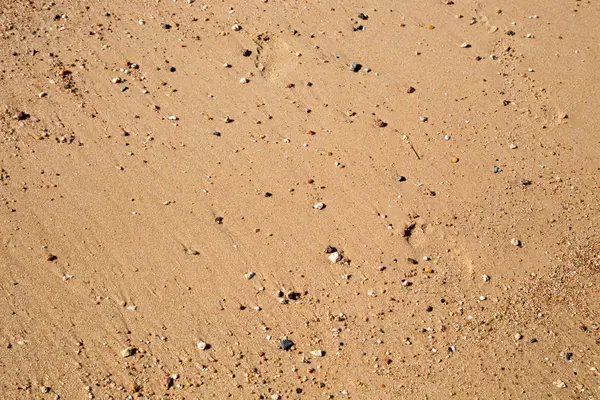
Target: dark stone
(355,67)
(286,344)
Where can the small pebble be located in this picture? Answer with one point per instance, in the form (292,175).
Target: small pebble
(202,345)
(128,352)
(355,67)
(335,257)
(515,242)
(423,118)
(286,344)
(319,206)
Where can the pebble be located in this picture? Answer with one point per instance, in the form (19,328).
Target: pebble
(410,90)
(447,137)
(401,178)
(247,53)
(173,118)
(560,384)
(355,67)
(286,344)
(497,169)
(423,118)
(216,133)
(335,257)
(250,275)
(455,160)
(202,345)
(518,336)
(236,27)
(244,80)
(318,353)
(319,206)
(513,146)
(486,278)
(128,352)
(363,16)
(515,242)
(465,45)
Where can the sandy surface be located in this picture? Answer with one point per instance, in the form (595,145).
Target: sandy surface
(143,255)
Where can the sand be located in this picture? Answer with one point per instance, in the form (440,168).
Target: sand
(207,200)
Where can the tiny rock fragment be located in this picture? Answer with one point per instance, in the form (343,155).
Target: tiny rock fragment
(363,16)
(319,206)
(335,257)
(236,27)
(560,384)
(244,80)
(128,352)
(219,220)
(455,160)
(355,67)
(22,116)
(330,250)
(202,345)
(410,90)
(380,124)
(486,278)
(423,118)
(250,275)
(515,242)
(247,53)
(401,178)
(518,336)
(286,344)
(51,257)
(318,353)
(465,45)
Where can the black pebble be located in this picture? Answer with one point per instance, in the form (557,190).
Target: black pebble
(247,53)
(355,67)
(217,133)
(363,16)
(286,344)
